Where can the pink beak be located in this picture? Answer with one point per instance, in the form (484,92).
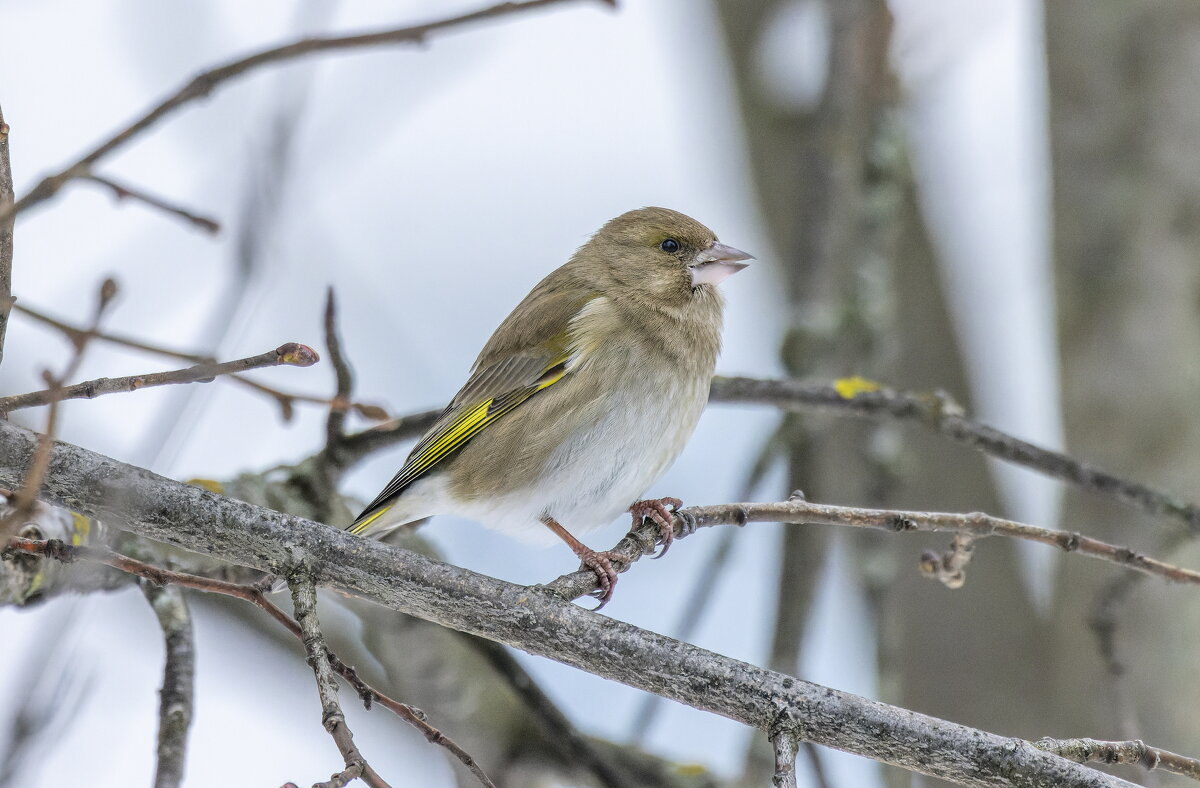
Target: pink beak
(716,264)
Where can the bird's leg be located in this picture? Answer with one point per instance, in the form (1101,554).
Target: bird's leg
(599,562)
(663,517)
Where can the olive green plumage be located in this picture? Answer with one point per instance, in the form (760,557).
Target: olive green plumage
(585,393)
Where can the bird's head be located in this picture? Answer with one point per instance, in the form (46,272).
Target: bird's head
(660,254)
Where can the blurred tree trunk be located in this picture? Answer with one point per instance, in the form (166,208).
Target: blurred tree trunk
(1125,124)
(835,188)
(811,167)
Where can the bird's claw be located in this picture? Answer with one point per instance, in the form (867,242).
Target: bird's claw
(600,563)
(663,517)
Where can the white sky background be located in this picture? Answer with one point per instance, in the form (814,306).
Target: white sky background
(432,187)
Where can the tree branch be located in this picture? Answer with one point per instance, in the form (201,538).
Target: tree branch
(68,553)
(6,233)
(24,500)
(1133,752)
(940,413)
(304,598)
(640,541)
(175,699)
(122,191)
(539,623)
(290,354)
(206,82)
(285,399)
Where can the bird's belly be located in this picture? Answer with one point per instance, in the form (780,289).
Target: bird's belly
(616,451)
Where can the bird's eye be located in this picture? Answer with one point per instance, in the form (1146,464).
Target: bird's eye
(670,246)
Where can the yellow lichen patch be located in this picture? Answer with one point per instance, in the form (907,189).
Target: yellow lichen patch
(212,485)
(691,770)
(849,388)
(82,528)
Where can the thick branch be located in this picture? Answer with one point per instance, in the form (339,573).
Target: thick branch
(67,553)
(175,699)
(204,83)
(536,622)
(290,354)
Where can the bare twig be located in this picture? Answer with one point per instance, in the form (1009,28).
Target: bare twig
(75,333)
(335,425)
(175,699)
(786,744)
(122,191)
(290,354)
(641,540)
(304,599)
(60,551)
(1130,752)
(204,83)
(940,413)
(26,498)
(6,233)
(285,399)
(195,519)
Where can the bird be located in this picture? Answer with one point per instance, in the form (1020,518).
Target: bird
(582,397)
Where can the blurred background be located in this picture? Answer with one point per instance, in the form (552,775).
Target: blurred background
(995,198)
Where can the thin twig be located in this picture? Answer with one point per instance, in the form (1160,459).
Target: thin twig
(290,354)
(641,540)
(61,551)
(786,744)
(204,83)
(939,412)
(122,191)
(304,598)
(285,399)
(26,498)
(1130,752)
(335,425)
(175,699)
(6,233)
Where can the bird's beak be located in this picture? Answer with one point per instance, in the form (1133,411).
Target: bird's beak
(716,263)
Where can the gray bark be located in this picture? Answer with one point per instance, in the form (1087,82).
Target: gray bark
(530,619)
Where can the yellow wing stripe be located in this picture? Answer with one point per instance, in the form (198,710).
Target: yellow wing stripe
(445,441)
(365,523)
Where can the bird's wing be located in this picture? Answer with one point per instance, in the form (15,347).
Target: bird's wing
(498,385)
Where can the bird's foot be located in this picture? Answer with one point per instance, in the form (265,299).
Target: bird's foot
(601,564)
(663,517)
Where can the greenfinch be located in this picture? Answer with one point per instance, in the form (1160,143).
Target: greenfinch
(583,396)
